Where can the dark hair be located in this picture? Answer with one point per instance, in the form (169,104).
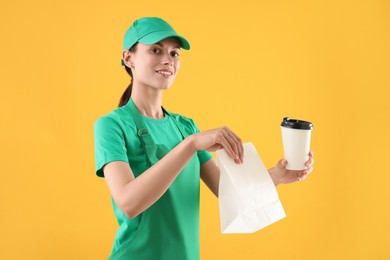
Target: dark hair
(127,94)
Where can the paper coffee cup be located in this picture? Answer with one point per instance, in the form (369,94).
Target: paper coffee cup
(296,142)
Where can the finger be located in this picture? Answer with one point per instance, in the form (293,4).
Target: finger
(226,145)
(232,142)
(303,177)
(309,162)
(311,153)
(238,143)
(282,163)
(308,171)
(298,176)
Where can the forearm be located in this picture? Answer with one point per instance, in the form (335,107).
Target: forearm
(143,191)
(210,174)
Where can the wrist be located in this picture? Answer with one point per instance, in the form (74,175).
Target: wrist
(190,141)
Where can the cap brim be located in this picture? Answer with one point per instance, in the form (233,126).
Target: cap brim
(161,35)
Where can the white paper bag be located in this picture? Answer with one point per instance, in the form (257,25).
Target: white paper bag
(248,200)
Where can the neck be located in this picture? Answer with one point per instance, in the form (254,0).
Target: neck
(148,101)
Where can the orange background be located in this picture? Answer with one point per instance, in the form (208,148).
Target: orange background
(251,64)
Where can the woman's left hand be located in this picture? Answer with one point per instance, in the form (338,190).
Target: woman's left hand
(280,174)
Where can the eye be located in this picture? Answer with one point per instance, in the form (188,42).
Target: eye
(155,50)
(175,54)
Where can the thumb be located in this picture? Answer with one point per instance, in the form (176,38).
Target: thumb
(282,163)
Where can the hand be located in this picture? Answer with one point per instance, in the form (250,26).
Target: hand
(215,139)
(280,174)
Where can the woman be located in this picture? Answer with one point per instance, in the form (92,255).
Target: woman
(152,159)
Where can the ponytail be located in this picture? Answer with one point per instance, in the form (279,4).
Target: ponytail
(127,94)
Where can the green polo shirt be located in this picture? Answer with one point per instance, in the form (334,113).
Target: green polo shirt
(170,228)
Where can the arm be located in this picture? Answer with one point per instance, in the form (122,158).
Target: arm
(134,195)
(209,173)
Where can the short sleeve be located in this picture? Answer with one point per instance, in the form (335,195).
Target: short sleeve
(109,143)
(203,155)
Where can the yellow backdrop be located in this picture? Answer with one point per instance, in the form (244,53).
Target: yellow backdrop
(251,64)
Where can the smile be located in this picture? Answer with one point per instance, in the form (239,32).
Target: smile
(165,73)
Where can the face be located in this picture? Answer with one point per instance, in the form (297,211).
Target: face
(154,65)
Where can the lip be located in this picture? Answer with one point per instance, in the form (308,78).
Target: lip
(165,70)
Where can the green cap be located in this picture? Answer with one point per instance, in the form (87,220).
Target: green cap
(149,30)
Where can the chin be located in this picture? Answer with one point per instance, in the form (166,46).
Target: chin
(163,86)
(160,85)
(166,87)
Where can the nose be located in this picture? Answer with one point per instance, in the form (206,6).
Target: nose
(167,60)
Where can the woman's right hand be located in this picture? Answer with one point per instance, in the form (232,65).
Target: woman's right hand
(215,139)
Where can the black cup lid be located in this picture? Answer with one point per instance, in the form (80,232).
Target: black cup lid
(296,124)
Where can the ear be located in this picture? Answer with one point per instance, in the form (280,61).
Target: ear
(127,57)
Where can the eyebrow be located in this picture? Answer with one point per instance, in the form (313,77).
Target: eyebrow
(160,44)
